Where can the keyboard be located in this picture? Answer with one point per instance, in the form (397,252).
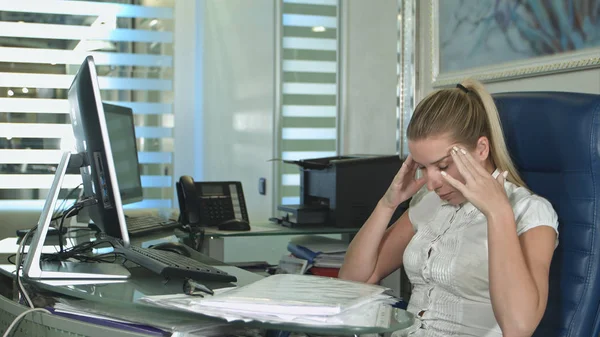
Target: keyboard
(145,224)
(169,264)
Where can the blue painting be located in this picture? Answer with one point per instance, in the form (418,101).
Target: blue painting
(478,33)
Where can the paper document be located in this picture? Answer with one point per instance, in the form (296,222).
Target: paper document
(296,294)
(293,299)
(373,314)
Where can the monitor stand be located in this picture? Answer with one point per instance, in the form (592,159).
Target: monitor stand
(34,268)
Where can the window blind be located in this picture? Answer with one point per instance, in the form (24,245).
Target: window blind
(42,45)
(309,87)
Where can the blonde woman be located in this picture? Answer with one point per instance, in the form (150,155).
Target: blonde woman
(476,244)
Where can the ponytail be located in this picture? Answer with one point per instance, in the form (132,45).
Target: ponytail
(498,149)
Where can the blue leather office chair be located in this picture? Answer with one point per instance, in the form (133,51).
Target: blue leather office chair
(554,139)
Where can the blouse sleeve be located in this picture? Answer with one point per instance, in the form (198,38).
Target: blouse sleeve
(535,211)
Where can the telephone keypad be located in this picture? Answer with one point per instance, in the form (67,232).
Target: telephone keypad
(218,208)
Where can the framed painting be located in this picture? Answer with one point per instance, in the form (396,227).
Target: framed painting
(494,40)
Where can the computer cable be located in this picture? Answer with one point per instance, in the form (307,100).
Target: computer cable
(19,265)
(81,252)
(60,208)
(20,317)
(72,211)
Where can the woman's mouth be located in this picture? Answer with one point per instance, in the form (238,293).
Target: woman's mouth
(445,196)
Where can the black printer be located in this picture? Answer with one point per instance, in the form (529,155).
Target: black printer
(341,191)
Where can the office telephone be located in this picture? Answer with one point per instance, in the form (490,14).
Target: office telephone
(211,203)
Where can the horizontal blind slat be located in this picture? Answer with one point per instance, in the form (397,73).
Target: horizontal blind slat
(309,9)
(88,8)
(310,66)
(312,99)
(309,89)
(300,20)
(309,111)
(307,144)
(53,81)
(44,181)
(308,122)
(314,2)
(299,155)
(61,106)
(59,56)
(40,130)
(71,32)
(309,43)
(27,205)
(53,157)
(309,133)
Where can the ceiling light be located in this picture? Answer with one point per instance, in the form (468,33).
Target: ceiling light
(10,92)
(318,29)
(153,23)
(25,90)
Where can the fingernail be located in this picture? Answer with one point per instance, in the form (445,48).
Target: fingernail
(444,173)
(454,148)
(463,151)
(505,174)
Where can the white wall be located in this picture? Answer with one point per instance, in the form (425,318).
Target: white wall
(227,95)
(369,58)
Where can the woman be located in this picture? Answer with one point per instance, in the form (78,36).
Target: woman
(476,244)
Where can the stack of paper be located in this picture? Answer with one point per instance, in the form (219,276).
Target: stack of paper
(301,299)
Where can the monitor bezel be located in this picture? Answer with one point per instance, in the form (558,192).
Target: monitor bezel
(131,195)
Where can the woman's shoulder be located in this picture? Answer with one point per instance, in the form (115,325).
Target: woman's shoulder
(531,210)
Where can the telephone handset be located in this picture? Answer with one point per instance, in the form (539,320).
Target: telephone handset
(212,203)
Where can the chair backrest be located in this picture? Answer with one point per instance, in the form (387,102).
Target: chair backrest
(554,139)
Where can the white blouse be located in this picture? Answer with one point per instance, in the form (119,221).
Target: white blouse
(447,261)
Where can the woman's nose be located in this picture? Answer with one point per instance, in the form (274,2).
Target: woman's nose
(434,181)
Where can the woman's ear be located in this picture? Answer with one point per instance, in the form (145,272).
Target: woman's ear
(482,150)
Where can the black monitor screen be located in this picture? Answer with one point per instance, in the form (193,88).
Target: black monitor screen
(119,121)
(92,139)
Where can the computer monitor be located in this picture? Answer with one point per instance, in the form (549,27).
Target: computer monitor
(91,133)
(121,131)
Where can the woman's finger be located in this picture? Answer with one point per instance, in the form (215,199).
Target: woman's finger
(455,183)
(463,169)
(476,168)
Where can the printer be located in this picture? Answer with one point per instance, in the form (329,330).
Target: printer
(341,191)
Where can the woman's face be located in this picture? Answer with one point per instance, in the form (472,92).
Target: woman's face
(432,155)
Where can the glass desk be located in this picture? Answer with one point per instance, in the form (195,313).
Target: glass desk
(270,228)
(213,244)
(120,299)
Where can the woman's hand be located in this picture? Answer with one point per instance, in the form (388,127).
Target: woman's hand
(480,188)
(404,185)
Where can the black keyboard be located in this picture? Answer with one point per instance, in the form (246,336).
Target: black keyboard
(169,264)
(145,224)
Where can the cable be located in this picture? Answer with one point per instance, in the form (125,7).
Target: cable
(78,252)
(20,252)
(20,317)
(60,207)
(72,211)
(65,215)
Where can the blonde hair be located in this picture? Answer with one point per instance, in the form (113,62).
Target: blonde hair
(467,114)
